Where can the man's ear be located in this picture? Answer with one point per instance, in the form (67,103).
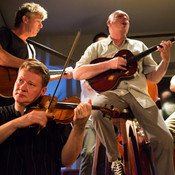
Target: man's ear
(43,91)
(25,19)
(108,22)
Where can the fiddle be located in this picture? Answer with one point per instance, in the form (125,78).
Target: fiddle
(63,112)
(47,103)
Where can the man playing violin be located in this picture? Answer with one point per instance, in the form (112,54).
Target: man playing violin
(132,92)
(22,150)
(14,48)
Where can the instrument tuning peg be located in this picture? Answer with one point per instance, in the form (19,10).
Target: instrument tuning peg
(110,117)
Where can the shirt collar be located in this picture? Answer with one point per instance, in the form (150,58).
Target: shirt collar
(35,105)
(110,41)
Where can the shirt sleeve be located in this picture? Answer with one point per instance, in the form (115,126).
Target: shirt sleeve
(149,65)
(89,55)
(172,80)
(8,113)
(4,37)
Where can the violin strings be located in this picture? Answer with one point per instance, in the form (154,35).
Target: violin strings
(68,58)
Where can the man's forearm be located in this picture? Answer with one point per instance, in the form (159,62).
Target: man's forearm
(158,74)
(9,60)
(6,130)
(73,147)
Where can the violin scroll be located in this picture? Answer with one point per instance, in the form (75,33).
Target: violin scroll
(113,113)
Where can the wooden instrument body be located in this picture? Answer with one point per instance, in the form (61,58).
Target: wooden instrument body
(134,150)
(110,79)
(8,77)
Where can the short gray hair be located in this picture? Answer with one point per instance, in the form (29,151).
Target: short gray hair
(28,9)
(111,16)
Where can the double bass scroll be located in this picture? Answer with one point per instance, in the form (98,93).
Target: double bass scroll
(8,77)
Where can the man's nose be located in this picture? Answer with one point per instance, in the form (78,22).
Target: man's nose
(23,86)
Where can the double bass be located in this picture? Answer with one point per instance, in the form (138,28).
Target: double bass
(8,77)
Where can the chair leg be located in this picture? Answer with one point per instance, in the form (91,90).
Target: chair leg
(122,140)
(125,145)
(95,158)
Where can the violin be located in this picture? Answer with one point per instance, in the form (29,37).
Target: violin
(63,112)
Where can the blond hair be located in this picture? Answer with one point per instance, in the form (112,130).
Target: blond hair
(38,68)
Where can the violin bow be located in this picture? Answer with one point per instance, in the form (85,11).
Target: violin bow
(65,65)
